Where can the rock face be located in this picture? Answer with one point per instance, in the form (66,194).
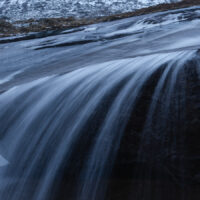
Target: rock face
(5,26)
(23,9)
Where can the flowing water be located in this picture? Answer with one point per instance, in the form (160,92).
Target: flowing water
(121,126)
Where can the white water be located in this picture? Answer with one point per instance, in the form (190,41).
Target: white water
(3,161)
(51,113)
(64,117)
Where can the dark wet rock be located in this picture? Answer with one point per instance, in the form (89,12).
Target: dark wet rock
(6,27)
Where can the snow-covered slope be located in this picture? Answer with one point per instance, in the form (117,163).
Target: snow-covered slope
(23,9)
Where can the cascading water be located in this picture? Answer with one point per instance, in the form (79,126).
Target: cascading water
(62,134)
(103,112)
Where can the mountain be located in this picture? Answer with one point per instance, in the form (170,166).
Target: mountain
(24,9)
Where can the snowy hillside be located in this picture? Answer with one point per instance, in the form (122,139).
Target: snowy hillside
(23,9)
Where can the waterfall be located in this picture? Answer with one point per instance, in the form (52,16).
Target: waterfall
(61,135)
